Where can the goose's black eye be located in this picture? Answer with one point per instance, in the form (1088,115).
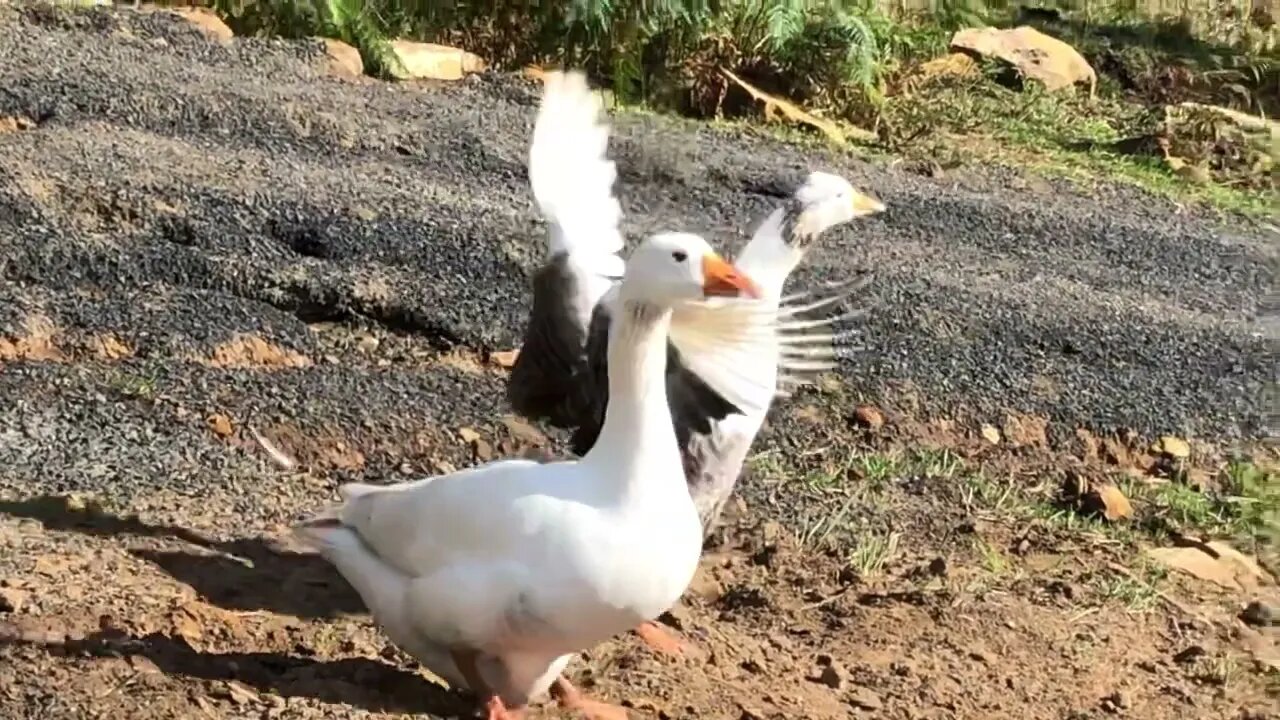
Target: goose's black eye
(680,255)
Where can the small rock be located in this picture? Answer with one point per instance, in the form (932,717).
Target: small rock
(505,358)
(1257,613)
(705,585)
(429,61)
(12,600)
(240,694)
(869,416)
(864,699)
(468,435)
(220,425)
(771,531)
(1115,702)
(1115,506)
(343,59)
(991,434)
(832,675)
(144,665)
(523,431)
(679,618)
(11,123)
(1189,654)
(483,450)
(1172,446)
(938,567)
(368,343)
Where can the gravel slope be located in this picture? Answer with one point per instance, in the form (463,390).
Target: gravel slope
(175,194)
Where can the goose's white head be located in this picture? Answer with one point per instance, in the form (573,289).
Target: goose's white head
(826,200)
(668,268)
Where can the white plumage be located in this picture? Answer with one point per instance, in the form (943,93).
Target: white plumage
(514,565)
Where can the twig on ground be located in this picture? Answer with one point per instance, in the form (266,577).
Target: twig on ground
(275,453)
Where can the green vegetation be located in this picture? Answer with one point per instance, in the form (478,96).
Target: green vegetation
(872,550)
(865,63)
(1138,590)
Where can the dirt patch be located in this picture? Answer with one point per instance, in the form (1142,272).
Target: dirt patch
(10,124)
(465,361)
(251,351)
(118,607)
(110,347)
(36,342)
(322,450)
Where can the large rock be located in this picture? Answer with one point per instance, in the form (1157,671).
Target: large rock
(205,19)
(429,61)
(343,59)
(1035,55)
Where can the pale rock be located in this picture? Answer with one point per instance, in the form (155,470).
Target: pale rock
(206,20)
(1173,446)
(343,59)
(428,61)
(991,434)
(1215,562)
(1035,55)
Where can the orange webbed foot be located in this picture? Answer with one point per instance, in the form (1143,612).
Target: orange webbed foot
(495,710)
(570,698)
(660,640)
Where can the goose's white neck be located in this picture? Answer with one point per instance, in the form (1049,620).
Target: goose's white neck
(637,437)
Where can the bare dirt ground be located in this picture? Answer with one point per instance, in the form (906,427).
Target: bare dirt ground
(205,244)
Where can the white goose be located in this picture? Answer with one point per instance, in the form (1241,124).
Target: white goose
(717,404)
(495,575)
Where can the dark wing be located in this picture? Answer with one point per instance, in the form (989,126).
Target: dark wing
(694,405)
(550,378)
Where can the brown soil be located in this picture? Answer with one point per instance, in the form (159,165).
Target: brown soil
(248,352)
(185,610)
(36,342)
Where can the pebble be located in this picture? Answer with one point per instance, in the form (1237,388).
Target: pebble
(869,417)
(832,675)
(1260,614)
(864,699)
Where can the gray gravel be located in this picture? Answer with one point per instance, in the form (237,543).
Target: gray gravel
(177,192)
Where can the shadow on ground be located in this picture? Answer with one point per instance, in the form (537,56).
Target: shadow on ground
(245,574)
(361,682)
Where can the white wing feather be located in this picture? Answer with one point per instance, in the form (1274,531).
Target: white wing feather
(745,349)
(572,180)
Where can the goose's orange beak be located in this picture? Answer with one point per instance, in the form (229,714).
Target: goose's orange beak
(724,280)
